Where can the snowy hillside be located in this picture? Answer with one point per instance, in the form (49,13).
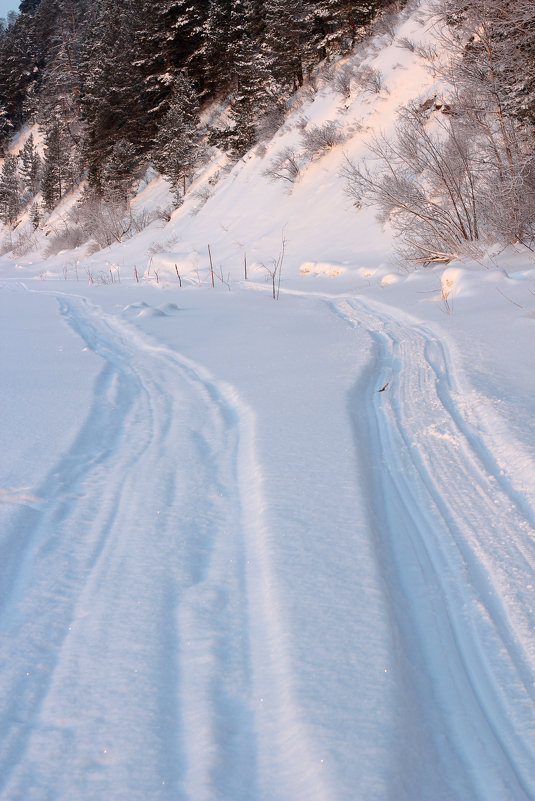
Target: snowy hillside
(269,551)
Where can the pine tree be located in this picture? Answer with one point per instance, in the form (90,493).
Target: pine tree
(216,48)
(28,6)
(56,166)
(6,129)
(10,200)
(252,98)
(178,141)
(111,88)
(184,20)
(35,215)
(338,23)
(17,67)
(155,64)
(30,168)
(62,78)
(119,170)
(288,40)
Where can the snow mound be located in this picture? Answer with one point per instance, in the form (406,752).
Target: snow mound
(321,268)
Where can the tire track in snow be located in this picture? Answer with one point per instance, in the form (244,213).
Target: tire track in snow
(138,628)
(457,540)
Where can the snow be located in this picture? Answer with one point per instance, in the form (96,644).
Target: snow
(261,551)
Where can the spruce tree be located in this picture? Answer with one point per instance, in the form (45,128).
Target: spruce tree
(18,68)
(30,168)
(216,48)
(6,129)
(343,20)
(35,215)
(119,170)
(288,38)
(111,90)
(10,200)
(177,144)
(252,98)
(55,166)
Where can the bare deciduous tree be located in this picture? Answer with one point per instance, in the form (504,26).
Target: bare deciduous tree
(460,173)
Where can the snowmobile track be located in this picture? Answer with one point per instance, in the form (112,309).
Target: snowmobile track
(466,626)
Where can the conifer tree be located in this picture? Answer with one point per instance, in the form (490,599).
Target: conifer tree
(30,167)
(341,21)
(111,88)
(119,170)
(10,200)
(178,141)
(35,215)
(17,67)
(216,48)
(252,98)
(288,41)
(56,165)
(6,129)
(62,80)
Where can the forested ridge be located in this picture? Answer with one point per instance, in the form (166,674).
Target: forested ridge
(112,82)
(114,86)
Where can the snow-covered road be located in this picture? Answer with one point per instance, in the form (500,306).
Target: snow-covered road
(254,577)
(458,541)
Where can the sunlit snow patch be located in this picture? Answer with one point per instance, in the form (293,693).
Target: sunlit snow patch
(321,268)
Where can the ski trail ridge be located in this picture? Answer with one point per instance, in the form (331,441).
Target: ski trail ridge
(143,607)
(457,540)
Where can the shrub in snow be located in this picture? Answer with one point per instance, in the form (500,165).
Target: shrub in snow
(342,81)
(285,166)
(319,138)
(370,79)
(67,238)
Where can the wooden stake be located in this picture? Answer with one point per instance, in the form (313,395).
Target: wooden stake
(211,266)
(178,276)
(135,273)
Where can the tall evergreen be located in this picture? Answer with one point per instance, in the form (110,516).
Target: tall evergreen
(288,41)
(177,145)
(56,166)
(30,168)
(254,93)
(62,80)
(218,64)
(10,200)
(6,129)
(338,23)
(18,67)
(111,88)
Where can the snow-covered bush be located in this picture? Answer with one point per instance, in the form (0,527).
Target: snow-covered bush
(285,166)
(319,138)
(369,79)
(342,80)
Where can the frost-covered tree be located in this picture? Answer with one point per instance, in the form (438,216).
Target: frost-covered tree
(10,199)
(254,91)
(218,35)
(111,90)
(178,141)
(18,68)
(62,78)
(35,215)
(288,41)
(56,171)
(6,129)
(339,22)
(119,171)
(30,167)
(491,49)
